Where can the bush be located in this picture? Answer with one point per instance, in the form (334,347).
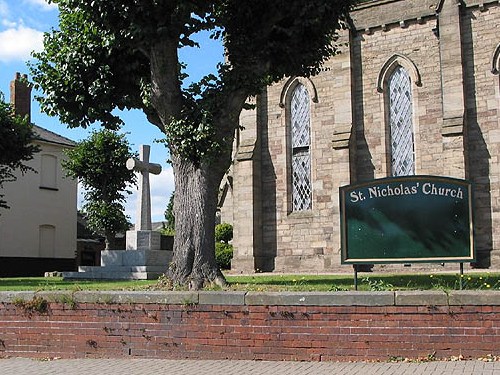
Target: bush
(223,232)
(223,255)
(166,230)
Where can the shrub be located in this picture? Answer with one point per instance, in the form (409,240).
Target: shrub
(223,232)
(167,231)
(169,214)
(223,255)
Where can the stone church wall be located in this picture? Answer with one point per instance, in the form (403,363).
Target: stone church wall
(481,31)
(448,52)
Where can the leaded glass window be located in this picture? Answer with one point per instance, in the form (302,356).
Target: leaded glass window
(401,124)
(301,152)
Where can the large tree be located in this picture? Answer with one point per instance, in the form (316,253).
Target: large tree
(124,54)
(99,163)
(16,145)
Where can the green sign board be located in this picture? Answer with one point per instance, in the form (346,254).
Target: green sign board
(407,220)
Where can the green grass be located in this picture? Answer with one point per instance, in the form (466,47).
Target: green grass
(57,283)
(374,282)
(323,283)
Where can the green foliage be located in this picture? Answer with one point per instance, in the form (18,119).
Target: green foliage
(167,231)
(123,54)
(68,300)
(292,37)
(37,304)
(194,136)
(223,250)
(99,163)
(105,217)
(16,147)
(470,282)
(223,232)
(378,285)
(86,72)
(169,215)
(223,255)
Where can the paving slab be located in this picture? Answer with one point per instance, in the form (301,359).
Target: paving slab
(21,366)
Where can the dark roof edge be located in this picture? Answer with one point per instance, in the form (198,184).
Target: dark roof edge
(44,135)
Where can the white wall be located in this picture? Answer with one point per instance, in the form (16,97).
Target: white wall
(39,216)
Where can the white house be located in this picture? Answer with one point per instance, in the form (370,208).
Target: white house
(38,233)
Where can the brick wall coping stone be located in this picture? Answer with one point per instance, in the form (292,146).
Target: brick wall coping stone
(348,298)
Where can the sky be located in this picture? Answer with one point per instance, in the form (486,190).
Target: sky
(22,24)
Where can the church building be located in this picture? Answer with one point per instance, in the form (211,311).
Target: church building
(414,91)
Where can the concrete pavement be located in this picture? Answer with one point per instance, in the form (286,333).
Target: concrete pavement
(22,366)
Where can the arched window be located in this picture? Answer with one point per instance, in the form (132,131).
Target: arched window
(47,241)
(402,147)
(300,128)
(495,66)
(48,175)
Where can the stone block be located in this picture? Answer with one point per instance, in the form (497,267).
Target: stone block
(111,257)
(241,263)
(126,265)
(421,298)
(143,240)
(146,258)
(321,299)
(103,273)
(9,297)
(88,274)
(222,298)
(174,298)
(57,296)
(128,268)
(474,298)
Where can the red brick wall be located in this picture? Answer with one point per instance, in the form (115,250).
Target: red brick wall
(266,332)
(20,96)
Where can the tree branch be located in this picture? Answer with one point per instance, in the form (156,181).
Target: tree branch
(166,94)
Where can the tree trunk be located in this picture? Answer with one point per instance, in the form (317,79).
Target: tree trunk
(196,181)
(195,204)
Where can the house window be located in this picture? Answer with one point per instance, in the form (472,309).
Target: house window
(48,175)
(47,241)
(402,147)
(300,128)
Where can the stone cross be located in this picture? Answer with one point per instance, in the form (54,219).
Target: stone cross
(144,167)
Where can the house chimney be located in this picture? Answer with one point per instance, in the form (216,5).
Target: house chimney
(20,96)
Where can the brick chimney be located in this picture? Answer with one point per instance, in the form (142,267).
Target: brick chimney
(20,95)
